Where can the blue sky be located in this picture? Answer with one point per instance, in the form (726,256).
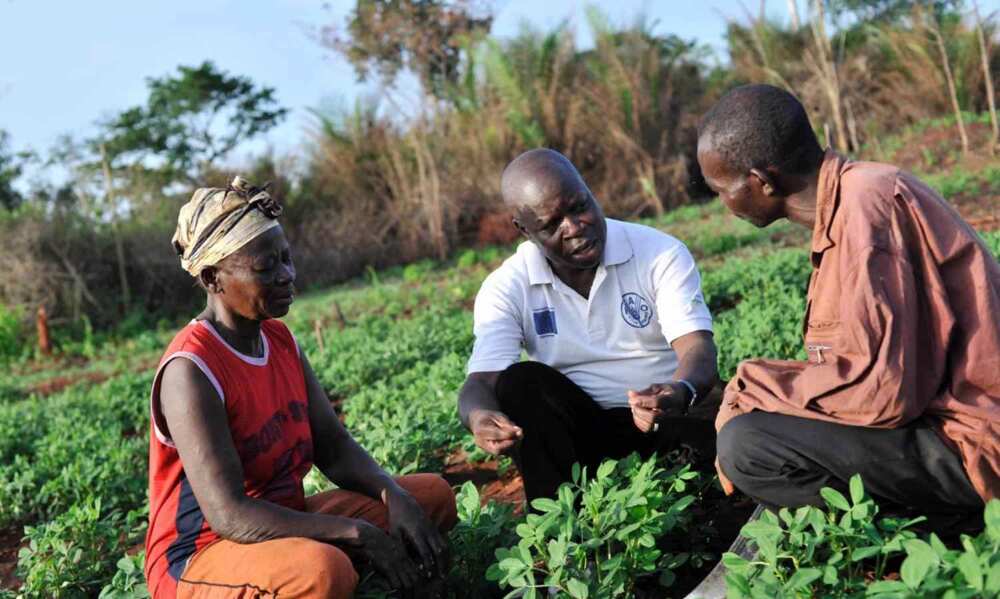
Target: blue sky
(64,65)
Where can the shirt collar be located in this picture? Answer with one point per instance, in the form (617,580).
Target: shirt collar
(827,200)
(617,250)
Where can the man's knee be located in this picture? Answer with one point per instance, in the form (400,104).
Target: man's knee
(435,496)
(518,386)
(737,447)
(329,573)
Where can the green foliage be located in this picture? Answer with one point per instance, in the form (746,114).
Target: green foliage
(129,581)
(992,240)
(191,119)
(407,421)
(69,557)
(428,38)
(757,303)
(81,443)
(960,182)
(838,552)
(599,535)
(481,530)
(11,332)
(11,166)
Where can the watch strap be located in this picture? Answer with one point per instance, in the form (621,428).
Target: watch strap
(694,392)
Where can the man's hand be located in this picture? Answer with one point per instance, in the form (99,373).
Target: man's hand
(409,524)
(655,402)
(493,431)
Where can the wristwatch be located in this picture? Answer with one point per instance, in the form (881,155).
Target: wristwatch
(694,393)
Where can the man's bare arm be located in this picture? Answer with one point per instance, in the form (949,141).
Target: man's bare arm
(479,411)
(698,360)
(698,365)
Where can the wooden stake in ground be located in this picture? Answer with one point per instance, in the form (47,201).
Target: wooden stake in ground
(930,22)
(42,326)
(984,53)
(318,331)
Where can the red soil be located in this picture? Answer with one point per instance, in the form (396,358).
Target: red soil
(10,544)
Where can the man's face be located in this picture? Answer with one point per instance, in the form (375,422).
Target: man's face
(258,281)
(568,226)
(742,193)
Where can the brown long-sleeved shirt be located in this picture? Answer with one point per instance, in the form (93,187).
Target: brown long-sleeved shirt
(902,320)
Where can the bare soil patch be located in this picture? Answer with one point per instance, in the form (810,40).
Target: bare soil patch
(10,544)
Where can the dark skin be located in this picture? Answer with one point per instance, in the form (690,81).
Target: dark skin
(250,286)
(760,196)
(554,209)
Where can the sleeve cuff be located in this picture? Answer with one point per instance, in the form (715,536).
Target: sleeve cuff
(493,365)
(679,329)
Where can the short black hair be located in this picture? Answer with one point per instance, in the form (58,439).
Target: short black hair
(761,126)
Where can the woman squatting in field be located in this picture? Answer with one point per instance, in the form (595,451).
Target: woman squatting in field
(239,418)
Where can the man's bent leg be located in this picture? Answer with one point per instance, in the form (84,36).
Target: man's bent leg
(784,461)
(430,490)
(562,426)
(293,568)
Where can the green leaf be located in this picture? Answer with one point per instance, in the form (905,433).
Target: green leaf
(834,498)
(862,553)
(605,469)
(544,505)
(577,589)
(992,518)
(802,578)
(857,489)
(968,564)
(914,569)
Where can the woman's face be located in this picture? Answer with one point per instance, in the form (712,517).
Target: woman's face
(258,281)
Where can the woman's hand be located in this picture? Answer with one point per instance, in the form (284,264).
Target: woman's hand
(387,555)
(409,524)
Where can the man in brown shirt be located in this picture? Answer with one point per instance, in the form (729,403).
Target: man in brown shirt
(902,326)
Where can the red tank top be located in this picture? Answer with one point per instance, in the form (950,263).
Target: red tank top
(266,404)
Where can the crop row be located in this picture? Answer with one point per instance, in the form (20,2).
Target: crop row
(74,464)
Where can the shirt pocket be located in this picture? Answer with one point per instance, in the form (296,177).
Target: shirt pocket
(822,337)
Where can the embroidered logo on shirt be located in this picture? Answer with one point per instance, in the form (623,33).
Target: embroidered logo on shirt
(545,322)
(635,310)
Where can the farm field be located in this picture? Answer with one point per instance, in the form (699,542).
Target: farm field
(390,349)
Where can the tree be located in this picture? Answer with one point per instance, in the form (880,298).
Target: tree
(889,10)
(11,166)
(426,37)
(190,120)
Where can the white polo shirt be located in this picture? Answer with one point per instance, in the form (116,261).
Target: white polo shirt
(646,293)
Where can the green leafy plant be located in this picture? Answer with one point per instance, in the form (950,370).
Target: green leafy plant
(129,581)
(480,531)
(598,536)
(843,552)
(69,557)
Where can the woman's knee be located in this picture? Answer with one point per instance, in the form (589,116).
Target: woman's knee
(435,496)
(327,571)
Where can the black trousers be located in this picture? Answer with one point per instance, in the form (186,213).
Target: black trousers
(784,461)
(563,425)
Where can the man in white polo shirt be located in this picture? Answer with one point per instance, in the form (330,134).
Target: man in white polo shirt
(612,317)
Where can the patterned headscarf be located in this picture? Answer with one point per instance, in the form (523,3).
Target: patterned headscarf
(219,221)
